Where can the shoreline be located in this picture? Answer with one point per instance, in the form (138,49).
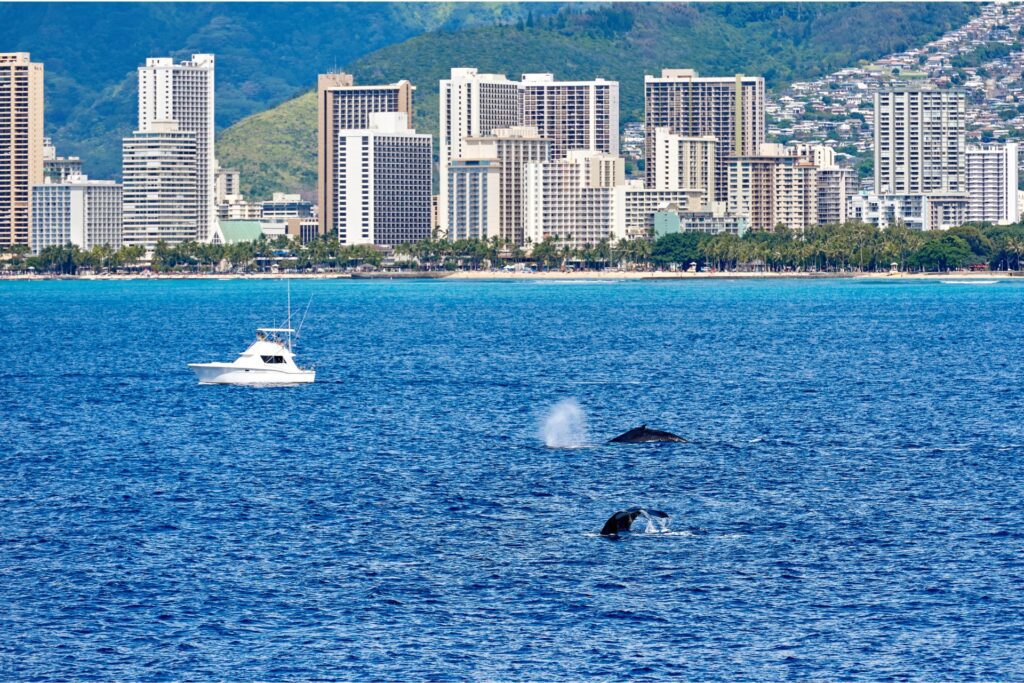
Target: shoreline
(597,275)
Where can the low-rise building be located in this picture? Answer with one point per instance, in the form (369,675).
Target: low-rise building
(713,221)
(79,211)
(937,211)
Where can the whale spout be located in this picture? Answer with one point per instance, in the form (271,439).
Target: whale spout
(642,434)
(622,520)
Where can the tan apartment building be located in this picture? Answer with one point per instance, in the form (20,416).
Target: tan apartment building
(773,189)
(341,106)
(21,144)
(731,109)
(471,104)
(685,162)
(513,148)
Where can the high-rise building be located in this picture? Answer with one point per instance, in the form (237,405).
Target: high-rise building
(730,109)
(474,191)
(383,182)
(21,144)
(572,199)
(571,114)
(471,104)
(227,183)
(83,212)
(513,148)
(685,162)
(992,183)
(837,186)
(184,92)
(160,190)
(343,106)
(773,188)
(919,141)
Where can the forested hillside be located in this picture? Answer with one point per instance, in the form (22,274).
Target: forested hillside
(266,53)
(781,41)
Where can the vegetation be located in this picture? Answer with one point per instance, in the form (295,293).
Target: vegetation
(830,248)
(982,54)
(781,41)
(266,53)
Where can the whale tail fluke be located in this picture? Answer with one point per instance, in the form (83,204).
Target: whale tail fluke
(622,521)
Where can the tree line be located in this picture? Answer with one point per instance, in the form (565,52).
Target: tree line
(829,248)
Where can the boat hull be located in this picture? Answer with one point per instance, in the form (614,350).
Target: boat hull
(227,373)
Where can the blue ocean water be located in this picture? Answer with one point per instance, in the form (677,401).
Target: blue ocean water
(850,506)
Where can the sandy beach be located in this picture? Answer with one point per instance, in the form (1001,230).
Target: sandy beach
(607,275)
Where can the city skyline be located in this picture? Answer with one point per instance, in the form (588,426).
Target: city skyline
(705,136)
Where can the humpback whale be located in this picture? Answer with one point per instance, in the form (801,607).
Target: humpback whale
(642,434)
(622,520)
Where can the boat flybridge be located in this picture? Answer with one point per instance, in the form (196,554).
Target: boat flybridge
(268,361)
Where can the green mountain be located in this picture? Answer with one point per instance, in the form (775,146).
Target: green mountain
(275,150)
(267,53)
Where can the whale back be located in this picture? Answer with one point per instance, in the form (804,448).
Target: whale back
(643,434)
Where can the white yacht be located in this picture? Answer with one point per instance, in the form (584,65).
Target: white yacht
(268,361)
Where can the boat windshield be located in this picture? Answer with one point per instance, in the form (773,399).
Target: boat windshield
(272,360)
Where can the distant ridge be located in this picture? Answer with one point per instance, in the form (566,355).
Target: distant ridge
(267,52)
(275,150)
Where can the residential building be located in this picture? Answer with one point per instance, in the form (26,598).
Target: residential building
(234,207)
(919,141)
(513,148)
(474,190)
(383,182)
(584,198)
(21,144)
(56,169)
(184,92)
(571,114)
(992,176)
(282,206)
(713,221)
(160,188)
(471,104)
(730,109)
(837,186)
(635,207)
(343,106)
(773,189)
(937,211)
(685,162)
(572,199)
(79,211)
(227,182)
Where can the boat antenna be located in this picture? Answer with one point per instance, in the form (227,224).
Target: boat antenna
(303,321)
(288,322)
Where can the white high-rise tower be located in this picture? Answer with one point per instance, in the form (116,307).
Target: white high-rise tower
(472,105)
(184,93)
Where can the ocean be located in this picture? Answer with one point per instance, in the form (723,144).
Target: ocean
(850,504)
